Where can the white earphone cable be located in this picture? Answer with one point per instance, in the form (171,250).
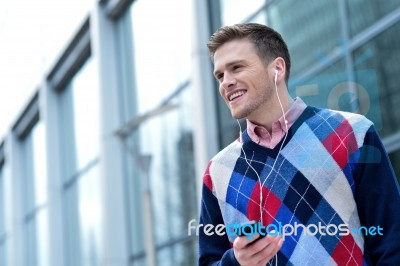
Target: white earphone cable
(276,159)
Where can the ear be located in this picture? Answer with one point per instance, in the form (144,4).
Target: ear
(278,68)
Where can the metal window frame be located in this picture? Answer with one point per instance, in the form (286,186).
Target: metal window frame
(2,154)
(28,119)
(355,42)
(73,58)
(116,8)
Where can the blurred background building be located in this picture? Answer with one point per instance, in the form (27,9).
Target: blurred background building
(128,108)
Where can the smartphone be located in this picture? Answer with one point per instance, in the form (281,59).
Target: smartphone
(249,229)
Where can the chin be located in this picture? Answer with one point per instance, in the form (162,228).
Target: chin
(242,111)
(237,115)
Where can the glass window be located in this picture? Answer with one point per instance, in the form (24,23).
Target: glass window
(128,110)
(377,67)
(260,17)
(235,11)
(363,14)
(319,89)
(2,197)
(79,123)
(42,229)
(5,212)
(162,63)
(40,163)
(34,172)
(35,195)
(38,30)
(162,50)
(45,39)
(168,138)
(72,233)
(138,261)
(86,114)
(304,26)
(179,254)
(79,120)
(3,235)
(90,216)
(3,249)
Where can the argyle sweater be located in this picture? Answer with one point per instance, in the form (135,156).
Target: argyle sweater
(332,170)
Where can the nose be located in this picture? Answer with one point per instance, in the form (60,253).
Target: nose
(228,81)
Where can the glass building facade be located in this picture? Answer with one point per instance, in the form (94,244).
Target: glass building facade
(104,165)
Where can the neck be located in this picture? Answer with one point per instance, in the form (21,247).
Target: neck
(273,110)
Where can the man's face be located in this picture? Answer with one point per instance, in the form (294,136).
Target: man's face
(244,80)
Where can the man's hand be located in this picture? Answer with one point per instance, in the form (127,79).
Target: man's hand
(256,252)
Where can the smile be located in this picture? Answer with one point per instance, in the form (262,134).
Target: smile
(236,95)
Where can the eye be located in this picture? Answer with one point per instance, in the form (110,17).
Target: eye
(236,67)
(219,76)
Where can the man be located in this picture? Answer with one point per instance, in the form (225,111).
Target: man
(320,177)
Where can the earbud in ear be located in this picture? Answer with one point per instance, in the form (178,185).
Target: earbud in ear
(276,75)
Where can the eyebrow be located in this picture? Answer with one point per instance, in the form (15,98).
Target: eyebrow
(239,61)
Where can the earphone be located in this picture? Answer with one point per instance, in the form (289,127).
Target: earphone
(276,159)
(276,88)
(280,148)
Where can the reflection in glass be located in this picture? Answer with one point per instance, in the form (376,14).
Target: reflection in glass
(72,233)
(177,254)
(90,216)
(138,262)
(39,163)
(380,57)
(257,17)
(80,127)
(234,11)
(161,57)
(363,14)
(86,114)
(168,138)
(3,250)
(304,26)
(161,61)
(318,89)
(32,36)
(42,227)
(2,199)
(34,160)
(35,195)
(3,236)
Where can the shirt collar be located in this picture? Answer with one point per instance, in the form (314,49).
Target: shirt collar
(294,112)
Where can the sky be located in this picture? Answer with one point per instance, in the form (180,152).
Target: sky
(33,33)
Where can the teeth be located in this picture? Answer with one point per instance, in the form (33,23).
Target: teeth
(236,94)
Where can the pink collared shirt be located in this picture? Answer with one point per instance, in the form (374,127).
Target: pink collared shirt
(261,136)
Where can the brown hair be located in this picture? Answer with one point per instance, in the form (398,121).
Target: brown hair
(268,43)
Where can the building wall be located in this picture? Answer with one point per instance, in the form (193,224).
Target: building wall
(129,115)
